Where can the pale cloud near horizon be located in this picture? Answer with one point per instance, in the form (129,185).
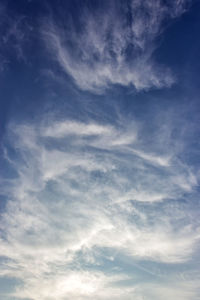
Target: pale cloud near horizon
(112,48)
(79,198)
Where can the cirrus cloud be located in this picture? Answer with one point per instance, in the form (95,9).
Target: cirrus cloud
(80,199)
(113,44)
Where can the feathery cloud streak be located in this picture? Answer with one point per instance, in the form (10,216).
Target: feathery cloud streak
(113,44)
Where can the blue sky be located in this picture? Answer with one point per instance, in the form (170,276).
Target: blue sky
(99,150)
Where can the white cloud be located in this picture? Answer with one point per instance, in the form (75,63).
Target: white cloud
(81,191)
(62,129)
(111,47)
(76,285)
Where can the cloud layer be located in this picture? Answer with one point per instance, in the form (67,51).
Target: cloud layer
(87,196)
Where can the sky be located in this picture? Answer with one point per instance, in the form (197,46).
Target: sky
(99,150)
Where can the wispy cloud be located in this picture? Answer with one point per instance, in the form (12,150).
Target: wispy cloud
(81,198)
(15,31)
(113,45)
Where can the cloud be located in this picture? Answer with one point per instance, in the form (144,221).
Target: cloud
(113,44)
(76,284)
(79,199)
(63,129)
